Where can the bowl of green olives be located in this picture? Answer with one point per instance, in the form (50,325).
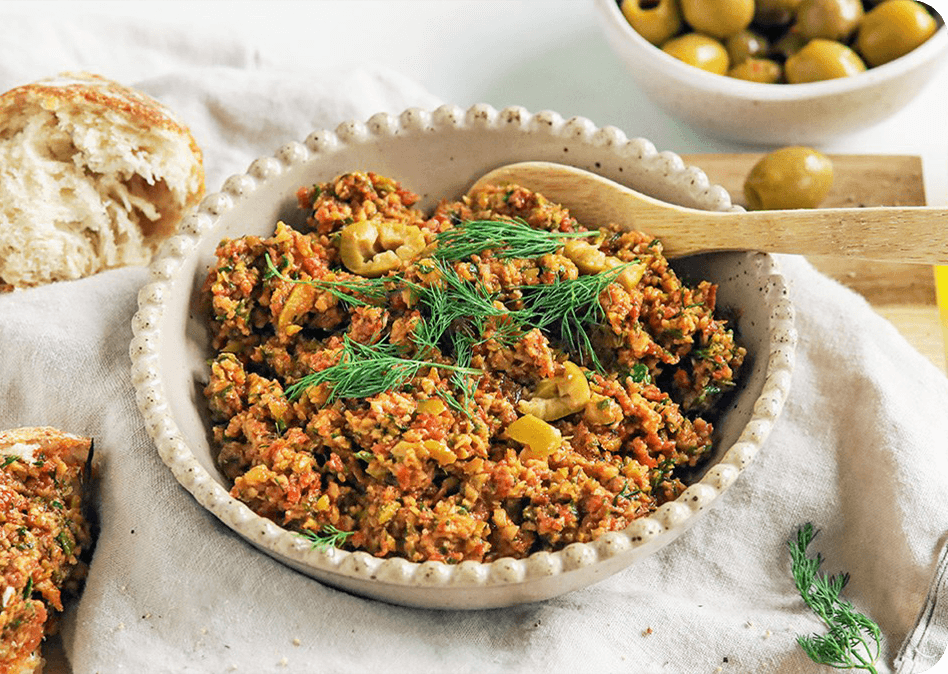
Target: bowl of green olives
(777,71)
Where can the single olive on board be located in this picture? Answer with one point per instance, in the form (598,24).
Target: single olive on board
(822,60)
(718,18)
(828,19)
(893,29)
(655,20)
(790,177)
(700,51)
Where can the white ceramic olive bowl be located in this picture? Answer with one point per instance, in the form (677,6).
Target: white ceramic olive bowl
(774,114)
(440,153)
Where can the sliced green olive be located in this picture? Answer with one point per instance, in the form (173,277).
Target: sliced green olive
(373,249)
(541,439)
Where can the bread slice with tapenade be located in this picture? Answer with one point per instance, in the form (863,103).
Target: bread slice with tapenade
(93,175)
(44,475)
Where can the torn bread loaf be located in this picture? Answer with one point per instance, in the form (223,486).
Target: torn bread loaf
(43,533)
(93,175)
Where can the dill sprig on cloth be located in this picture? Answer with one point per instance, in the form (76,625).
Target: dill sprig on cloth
(507,238)
(853,640)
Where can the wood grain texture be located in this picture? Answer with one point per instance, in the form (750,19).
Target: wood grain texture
(919,325)
(902,233)
(903,293)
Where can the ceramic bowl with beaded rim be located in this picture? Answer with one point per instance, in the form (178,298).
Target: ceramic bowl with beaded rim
(437,154)
(775,114)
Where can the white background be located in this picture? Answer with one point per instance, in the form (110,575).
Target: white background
(541,54)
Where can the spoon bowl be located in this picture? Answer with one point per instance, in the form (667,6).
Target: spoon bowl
(905,234)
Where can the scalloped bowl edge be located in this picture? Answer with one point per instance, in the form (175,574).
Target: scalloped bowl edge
(468,585)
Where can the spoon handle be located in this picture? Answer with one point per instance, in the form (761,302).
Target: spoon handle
(916,234)
(907,234)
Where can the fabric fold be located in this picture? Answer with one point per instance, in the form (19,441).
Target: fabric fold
(860,450)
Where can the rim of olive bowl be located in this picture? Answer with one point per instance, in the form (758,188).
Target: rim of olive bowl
(932,50)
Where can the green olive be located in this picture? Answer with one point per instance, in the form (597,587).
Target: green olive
(655,20)
(822,60)
(775,12)
(744,45)
(893,29)
(791,177)
(718,18)
(700,51)
(788,45)
(828,19)
(757,70)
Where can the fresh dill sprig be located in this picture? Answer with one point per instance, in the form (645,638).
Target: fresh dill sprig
(346,291)
(364,370)
(458,311)
(853,640)
(327,537)
(570,306)
(507,238)
(453,305)
(464,383)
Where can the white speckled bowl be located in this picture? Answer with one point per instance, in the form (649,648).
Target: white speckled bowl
(439,153)
(775,114)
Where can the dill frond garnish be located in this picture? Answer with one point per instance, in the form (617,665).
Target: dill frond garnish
(455,305)
(327,537)
(507,238)
(364,370)
(570,306)
(465,384)
(374,289)
(457,313)
(853,640)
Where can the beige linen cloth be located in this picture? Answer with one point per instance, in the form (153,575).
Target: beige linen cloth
(861,450)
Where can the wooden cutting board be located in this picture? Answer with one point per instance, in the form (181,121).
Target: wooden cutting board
(903,293)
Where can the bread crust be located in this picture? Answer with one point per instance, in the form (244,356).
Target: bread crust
(100,173)
(82,88)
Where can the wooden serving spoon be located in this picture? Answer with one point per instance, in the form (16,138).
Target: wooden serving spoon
(899,234)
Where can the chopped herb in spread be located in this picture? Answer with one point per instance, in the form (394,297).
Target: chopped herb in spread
(486,380)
